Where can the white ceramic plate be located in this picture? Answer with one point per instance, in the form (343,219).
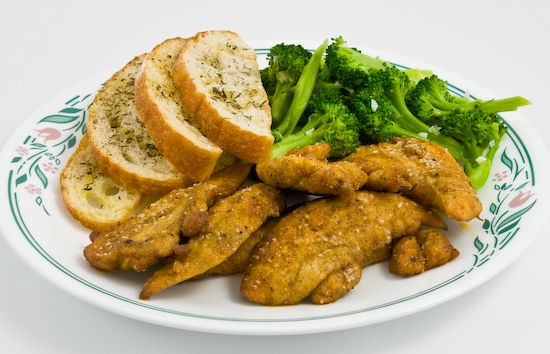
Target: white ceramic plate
(39,228)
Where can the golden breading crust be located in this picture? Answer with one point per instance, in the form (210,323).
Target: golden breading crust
(425,250)
(232,221)
(342,281)
(307,170)
(325,236)
(422,171)
(153,234)
(239,260)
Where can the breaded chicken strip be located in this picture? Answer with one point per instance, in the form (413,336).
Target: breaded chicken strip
(153,234)
(232,221)
(307,170)
(416,254)
(325,236)
(422,171)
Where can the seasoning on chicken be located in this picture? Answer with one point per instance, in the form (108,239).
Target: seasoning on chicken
(325,236)
(422,171)
(147,237)
(232,221)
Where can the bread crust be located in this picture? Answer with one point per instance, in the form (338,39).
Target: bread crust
(246,144)
(110,157)
(82,181)
(192,158)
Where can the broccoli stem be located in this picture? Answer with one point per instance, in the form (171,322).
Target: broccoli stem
(280,102)
(409,122)
(303,138)
(302,93)
(504,105)
(493,106)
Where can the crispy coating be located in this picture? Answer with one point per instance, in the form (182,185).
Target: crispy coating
(407,257)
(153,234)
(307,170)
(342,281)
(412,255)
(232,221)
(325,236)
(422,171)
(317,151)
(239,260)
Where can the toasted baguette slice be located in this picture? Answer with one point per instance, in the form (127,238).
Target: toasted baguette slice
(122,146)
(175,132)
(219,82)
(91,197)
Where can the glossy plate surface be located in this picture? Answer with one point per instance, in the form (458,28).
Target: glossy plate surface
(39,228)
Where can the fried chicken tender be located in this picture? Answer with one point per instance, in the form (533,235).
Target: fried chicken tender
(412,255)
(232,221)
(153,234)
(326,236)
(419,170)
(307,170)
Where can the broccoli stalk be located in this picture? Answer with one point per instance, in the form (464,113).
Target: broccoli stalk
(286,63)
(332,122)
(302,92)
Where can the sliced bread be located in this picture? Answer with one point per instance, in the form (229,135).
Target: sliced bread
(176,134)
(91,197)
(122,146)
(219,82)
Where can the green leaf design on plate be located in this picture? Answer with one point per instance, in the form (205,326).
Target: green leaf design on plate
(520,187)
(478,244)
(21,179)
(70,110)
(71,142)
(41,176)
(507,161)
(511,221)
(16,159)
(59,118)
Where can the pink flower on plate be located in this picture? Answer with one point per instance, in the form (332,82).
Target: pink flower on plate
(50,167)
(22,151)
(499,176)
(32,189)
(520,199)
(48,134)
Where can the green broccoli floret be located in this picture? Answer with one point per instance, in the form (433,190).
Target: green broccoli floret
(431,99)
(383,114)
(349,66)
(302,91)
(286,63)
(330,122)
(475,124)
(480,134)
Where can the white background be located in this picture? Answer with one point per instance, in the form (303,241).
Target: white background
(502,46)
